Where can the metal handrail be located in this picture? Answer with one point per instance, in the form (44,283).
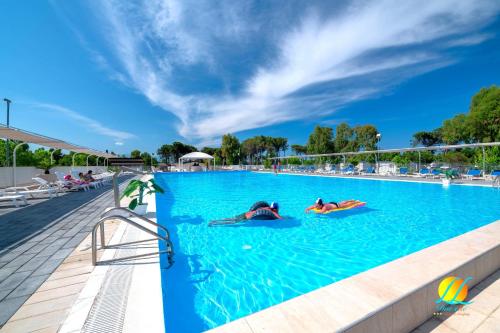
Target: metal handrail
(142,218)
(496,182)
(100,224)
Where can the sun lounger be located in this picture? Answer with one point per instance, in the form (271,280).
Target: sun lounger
(13,197)
(473,174)
(349,170)
(70,184)
(424,172)
(436,173)
(495,174)
(403,171)
(31,191)
(369,171)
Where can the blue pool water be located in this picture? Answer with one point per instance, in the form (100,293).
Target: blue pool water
(224,273)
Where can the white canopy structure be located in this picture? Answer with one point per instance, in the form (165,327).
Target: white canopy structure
(13,133)
(197,155)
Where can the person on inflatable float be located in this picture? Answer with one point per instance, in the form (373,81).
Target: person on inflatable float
(329,206)
(260,210)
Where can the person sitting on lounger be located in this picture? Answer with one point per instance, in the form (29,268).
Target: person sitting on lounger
(88,176)
(324,207)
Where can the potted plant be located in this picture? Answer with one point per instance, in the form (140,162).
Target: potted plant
(136,189)
(449,176)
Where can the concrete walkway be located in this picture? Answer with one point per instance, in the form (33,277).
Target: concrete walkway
(36,239)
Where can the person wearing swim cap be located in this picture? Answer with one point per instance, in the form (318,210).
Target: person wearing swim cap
(273,208)
(332,205)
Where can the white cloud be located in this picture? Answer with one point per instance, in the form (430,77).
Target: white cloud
(155,39)
(89,123)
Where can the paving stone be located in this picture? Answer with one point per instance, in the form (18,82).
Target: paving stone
(9,306)
(28,286)
(13,280)
(37,238)
(62,253)
(37,248)
(48,267)
(33,264)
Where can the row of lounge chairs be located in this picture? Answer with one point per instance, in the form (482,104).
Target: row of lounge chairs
(51,185)
(433,173)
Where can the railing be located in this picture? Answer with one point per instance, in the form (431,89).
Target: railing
(496,182)
(100,226)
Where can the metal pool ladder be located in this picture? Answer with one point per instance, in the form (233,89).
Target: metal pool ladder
(109,216)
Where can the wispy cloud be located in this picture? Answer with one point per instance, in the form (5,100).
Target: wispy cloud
(91,124)
(309,68)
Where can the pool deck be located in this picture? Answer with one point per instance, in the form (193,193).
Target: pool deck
(482,316)
(37,239)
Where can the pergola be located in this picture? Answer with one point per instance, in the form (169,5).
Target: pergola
(24,137)
(196,156)
(399,150)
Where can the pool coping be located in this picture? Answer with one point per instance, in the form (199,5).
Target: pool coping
(394,297)
(145,286)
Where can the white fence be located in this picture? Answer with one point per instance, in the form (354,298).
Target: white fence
(24,174)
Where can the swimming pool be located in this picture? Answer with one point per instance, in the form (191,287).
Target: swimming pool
(227,272)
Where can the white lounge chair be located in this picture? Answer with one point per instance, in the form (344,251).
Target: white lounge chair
(69,184)
(13,197)
(31,190)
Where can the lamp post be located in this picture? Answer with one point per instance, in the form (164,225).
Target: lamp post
(377,157)
(152,156)
(7,153)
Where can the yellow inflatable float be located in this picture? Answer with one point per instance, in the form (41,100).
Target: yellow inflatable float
(355,204)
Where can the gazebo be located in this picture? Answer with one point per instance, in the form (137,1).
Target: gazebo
(197,155)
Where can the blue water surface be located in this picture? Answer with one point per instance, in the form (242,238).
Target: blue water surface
(227,272)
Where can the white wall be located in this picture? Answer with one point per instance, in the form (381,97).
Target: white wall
(24,174)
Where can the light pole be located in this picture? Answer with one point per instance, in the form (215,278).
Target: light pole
(378,136)
(152,155)
(7,153)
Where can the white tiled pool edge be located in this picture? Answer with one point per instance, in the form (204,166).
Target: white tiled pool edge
(394,297)
(144,309)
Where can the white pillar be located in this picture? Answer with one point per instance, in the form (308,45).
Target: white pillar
(88,156)
(484,163)
(73,161)
(52,157)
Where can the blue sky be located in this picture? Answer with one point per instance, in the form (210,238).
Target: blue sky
(123,75)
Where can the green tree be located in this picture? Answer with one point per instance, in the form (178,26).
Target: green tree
(179,149)
(344,136)
(484,115)
(279,144)
(135,153)
(365,137)
(427,139)
(146,158)
(456,130)
(165,153)
(320,141)
(299,149)
(249,150)
(230,149)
